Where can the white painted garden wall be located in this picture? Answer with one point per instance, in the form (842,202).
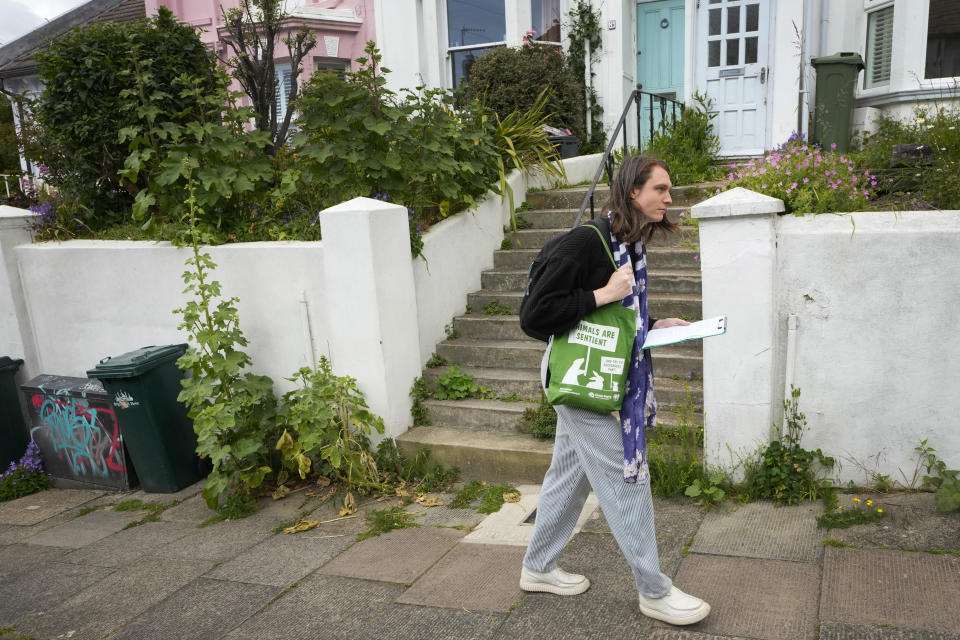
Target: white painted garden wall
(357,297)
(871,299)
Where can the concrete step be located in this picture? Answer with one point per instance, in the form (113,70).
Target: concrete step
(572,197)
(478,326)
(660,280)
(536,238)
(563,218)
(658,256)
(661,305)
(524,383)
(512,354)
(480,455)
(475,413)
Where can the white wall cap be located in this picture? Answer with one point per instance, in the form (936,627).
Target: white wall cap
(15,218)
(737,202)
(361,204)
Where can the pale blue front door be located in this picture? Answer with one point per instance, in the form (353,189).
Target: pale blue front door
(660,27)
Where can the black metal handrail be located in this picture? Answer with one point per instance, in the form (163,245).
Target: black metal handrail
(636,97)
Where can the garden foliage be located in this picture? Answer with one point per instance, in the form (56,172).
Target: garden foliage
(937,127)
(323,426)
(690,146)
(786,472)
(509,80)
(25,476)
(84,105)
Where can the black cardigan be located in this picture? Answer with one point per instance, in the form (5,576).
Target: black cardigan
(563,294)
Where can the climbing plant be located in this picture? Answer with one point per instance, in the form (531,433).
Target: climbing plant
(583,29)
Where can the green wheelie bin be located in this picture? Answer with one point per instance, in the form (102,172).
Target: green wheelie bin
(143,386)
(836,90)
(13,433)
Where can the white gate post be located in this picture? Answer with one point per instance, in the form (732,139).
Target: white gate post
(371,303)
(738,263)
(16,334)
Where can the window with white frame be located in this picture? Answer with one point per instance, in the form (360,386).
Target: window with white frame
(879,47)
(545,19)
(474,27)
(943,39)
(282,92)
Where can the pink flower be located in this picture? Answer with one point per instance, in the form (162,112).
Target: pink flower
(806,180)
(833,145)
(530,32)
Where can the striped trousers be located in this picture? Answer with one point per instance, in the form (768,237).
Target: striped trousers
(588,452)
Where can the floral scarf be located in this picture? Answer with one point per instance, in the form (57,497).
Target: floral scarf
(639,409)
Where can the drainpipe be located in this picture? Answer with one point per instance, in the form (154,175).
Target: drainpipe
(793,324)
(586,84)
(824,24)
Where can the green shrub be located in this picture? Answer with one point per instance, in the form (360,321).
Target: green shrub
(87,74)
(690,146)
(358,138)
(933,126)
(785,472)
(326,420)
(541,422)
(509,80)
(454,385)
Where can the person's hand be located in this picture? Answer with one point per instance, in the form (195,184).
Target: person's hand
(618,286)
(669,322)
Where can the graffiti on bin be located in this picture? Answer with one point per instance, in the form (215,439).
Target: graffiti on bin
(79,434)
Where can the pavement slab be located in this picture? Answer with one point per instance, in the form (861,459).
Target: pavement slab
(43,587)
(86,529)
(202,609)
(473,577)
(680,634)
(45,504)
(282,559)
(17,558)
(842,631)
(112,602)
(125,547)
(401,555)
(339,608)
(443,515)
(675,523)
(192,510)
(761,530)
(513,523)
(217,542)
(608,609)
(753,597)
(912,521)
(911,590)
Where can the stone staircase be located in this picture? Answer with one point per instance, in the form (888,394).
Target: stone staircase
(481,436)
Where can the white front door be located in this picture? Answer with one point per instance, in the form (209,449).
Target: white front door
(732,56)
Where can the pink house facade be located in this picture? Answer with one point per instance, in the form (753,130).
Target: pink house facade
(342,28)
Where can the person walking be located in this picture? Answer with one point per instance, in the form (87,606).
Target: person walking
(605,451)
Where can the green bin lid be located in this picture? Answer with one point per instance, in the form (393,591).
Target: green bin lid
(133,363)
(844,57)
(7,363)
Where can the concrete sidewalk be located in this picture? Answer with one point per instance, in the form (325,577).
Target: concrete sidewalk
(67,571)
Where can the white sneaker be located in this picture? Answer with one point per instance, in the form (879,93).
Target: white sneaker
(676,607)
(557,581)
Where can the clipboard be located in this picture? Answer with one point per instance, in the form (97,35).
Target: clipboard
(694,331)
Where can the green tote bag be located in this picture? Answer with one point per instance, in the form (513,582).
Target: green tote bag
(588,364)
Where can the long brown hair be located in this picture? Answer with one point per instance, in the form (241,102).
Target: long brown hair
(625,222)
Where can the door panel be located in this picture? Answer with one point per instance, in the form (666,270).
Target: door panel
(660,51)
(733,52)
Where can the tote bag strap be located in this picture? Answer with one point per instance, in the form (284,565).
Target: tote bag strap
(606,245)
